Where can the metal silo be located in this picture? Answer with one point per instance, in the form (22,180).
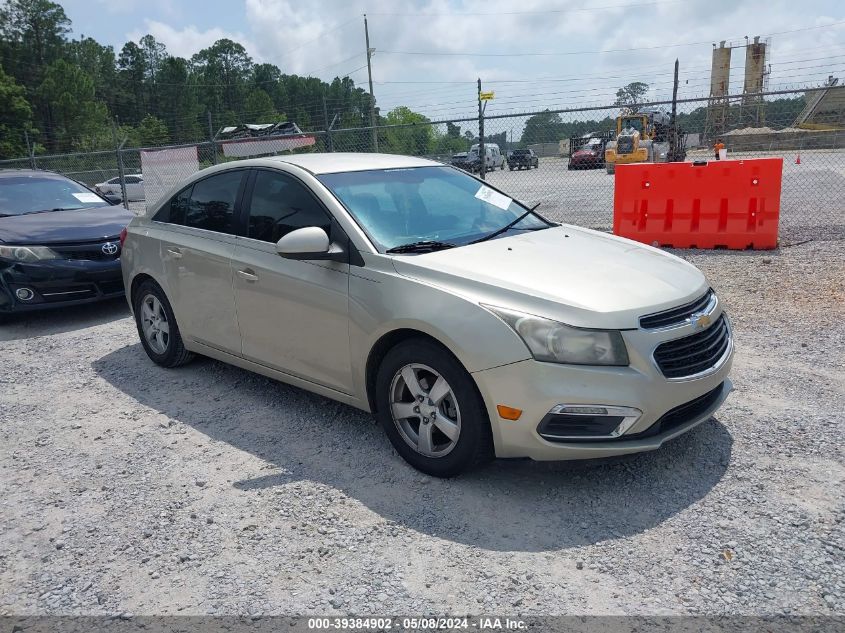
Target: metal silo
(753,106)
(720,81)
(720,71)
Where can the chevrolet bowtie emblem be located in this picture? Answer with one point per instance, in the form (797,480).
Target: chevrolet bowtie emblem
(701,321)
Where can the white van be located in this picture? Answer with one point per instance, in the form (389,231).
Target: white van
(495,159)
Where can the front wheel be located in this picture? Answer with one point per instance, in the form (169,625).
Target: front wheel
(431,411)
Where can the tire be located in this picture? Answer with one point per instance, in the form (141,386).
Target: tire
(166,348)
(428,363)
(509,167)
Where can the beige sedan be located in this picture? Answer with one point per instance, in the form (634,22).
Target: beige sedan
(470,325)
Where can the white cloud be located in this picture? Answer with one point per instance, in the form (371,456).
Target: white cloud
(188,40)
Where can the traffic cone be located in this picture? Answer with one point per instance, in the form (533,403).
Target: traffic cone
(798,159)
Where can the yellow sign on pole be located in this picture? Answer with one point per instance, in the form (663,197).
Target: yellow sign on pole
(486,96)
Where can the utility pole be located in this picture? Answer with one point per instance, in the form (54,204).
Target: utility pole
(482,169)
(370,52)
(118,149)
(674,140)
(211,140)
(327,126)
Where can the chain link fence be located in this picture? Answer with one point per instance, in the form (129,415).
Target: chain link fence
(568,177)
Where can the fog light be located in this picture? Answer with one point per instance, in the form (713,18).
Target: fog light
(24,294)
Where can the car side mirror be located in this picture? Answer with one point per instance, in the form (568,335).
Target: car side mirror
(310,242)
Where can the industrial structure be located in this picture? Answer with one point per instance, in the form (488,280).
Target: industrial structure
(825,109)
(755,81)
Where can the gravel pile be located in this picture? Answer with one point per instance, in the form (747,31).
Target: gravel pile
(127,488)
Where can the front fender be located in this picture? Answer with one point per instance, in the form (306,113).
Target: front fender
(385,302)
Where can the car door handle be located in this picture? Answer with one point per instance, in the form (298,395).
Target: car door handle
(248,275)
(175,253)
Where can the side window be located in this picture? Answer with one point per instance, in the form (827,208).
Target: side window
(113,181)
(132,180)
(173,212)
(211,205)
(281,204)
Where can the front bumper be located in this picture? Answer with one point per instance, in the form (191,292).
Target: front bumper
(537,387)
(58,283)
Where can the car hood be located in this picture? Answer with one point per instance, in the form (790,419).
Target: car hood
(577,276)
(80,225)
(586,152)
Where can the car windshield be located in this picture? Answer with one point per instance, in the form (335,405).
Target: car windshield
(520,152)
(20,195)
(396,207)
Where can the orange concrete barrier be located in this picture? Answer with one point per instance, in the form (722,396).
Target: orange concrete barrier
(719,204)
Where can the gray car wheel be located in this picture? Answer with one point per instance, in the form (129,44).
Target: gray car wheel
(157,326)
(430,409)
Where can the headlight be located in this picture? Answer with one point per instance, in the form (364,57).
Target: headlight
(555,342)
(26,254)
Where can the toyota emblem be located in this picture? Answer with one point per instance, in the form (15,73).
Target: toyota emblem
(110,248)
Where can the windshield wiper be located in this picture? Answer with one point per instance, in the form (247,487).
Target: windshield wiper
(424,246)
(510,225)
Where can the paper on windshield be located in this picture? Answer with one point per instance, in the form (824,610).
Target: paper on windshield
(87,197)
(491,196)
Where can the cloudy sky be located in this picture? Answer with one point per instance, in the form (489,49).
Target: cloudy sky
(533,53)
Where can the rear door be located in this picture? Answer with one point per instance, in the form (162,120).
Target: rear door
(197,255)
(293,315)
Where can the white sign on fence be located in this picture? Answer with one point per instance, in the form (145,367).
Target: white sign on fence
(165,168)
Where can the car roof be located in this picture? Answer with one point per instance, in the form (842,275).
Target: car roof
(331,163)
(10,173)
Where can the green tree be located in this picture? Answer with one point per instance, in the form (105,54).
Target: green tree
(81,122)
(150,132)
(36,30)
(178,106)
(223,68)
(15,117)
(259,108)
(131,98)
(414,139)
(97,61)
(631,96)
(543,127)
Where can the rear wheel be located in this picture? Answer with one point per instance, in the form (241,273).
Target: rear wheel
(157,326)
(431,411)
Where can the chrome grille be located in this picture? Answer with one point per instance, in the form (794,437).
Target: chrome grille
(694,354)
(674,316)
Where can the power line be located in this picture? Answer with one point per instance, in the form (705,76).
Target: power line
(543,12)
(598,52)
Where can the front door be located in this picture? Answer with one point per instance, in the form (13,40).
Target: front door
(197,256)
(293,315)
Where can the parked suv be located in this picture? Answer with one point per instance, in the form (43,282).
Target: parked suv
(469,324)
(59,242)
(519,158)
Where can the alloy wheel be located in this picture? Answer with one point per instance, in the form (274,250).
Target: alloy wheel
(425,410)
(154,324)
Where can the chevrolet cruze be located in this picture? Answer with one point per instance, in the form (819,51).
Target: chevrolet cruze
(469,324)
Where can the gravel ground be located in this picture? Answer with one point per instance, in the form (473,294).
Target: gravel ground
(127,488)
